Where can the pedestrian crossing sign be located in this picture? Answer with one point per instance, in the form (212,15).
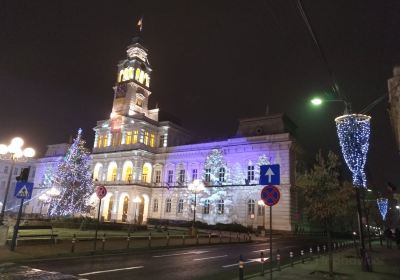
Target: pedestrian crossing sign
(23,190)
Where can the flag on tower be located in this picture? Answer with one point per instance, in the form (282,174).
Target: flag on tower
(140,24)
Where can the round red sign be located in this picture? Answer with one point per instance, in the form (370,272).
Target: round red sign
(101,192)
(270,195)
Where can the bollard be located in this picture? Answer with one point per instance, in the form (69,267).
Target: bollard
(324,248)
(318,249)
(73,243)
(149,239)
(302,256)
(278,259)
(241,268)
(291,258)
(103,242)
(167,239)
(197,239)
(209,238)
(262,263)
(183,239)
(334,246)
(128,240)
(311,255)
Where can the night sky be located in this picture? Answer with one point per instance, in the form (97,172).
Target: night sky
(213,62)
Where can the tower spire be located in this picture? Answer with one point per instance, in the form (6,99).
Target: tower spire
(139,25)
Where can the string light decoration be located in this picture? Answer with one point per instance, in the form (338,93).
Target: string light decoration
(73,178)
(353,132)
(383,206)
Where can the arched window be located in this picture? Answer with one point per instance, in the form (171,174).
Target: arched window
(168,205)
(155,205)
(98,168)
(146,173)
(127,171)
(220,207)
(250,207)
(125,209)
(206,208)
(130,73)
(180,206)
(137,74)
(221,175)
(112,172)
(141,77)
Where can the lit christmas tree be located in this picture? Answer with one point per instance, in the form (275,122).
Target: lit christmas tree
(73,178)
(216,168)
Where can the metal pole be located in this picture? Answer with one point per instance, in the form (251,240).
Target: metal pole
(16,227)
(270,242)
(194,214)
(97,227)
(364,263)
(3,207)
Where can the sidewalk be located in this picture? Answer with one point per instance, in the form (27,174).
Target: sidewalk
(385,265)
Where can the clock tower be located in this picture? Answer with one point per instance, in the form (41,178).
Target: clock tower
(132,89)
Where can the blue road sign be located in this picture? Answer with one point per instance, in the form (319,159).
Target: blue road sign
(270,195)
(23,190)
(270,174)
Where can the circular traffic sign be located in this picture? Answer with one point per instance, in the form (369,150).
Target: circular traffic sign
(270,195)
(101,192)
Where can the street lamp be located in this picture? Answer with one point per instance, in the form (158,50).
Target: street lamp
(318,101)
(43,198)
(13,152)
(136,200)
(195,187)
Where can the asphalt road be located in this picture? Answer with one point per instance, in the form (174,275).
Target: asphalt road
(203,262)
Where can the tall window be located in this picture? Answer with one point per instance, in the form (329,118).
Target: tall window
(206,208)
(145,173)
(221,174)
(152,141)
(168,205)
(155,205)
(135,137)
(220,207)
(163,140)
(114,174)
(250,207)
(170,176)
(102,141)
(207,176)
(250,172)
(146,138)
(128,137)
(182,176)
(194,174)
(158,176)
(180,206)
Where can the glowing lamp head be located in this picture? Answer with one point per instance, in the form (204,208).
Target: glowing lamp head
(3,149)
(316,101)
(17,142)
(29,152)
(196,186)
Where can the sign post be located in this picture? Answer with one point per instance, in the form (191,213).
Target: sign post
(101,192)
(23,190)
(270,175)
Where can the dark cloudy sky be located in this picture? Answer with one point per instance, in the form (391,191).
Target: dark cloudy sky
(213,61)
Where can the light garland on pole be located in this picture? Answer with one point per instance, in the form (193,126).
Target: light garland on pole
(383,206)
(353,132)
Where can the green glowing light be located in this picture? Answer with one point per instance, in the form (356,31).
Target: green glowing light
(316,101)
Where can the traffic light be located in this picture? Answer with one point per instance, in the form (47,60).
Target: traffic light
(23,177)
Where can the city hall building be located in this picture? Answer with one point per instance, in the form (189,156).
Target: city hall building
(146,162)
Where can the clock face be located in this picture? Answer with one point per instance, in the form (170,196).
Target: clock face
(121,90)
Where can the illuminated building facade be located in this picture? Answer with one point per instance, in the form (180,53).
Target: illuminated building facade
(140,157)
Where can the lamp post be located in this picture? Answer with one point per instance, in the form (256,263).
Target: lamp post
(136,200)
(13,152)
(353,131)
(43,198)
(262,204)
(195,187)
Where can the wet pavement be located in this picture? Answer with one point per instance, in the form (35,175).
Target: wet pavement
(11,271)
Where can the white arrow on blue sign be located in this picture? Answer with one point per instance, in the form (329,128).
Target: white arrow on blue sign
(270,174)
(23,190)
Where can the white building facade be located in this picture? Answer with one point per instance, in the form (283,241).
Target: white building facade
(146,163)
